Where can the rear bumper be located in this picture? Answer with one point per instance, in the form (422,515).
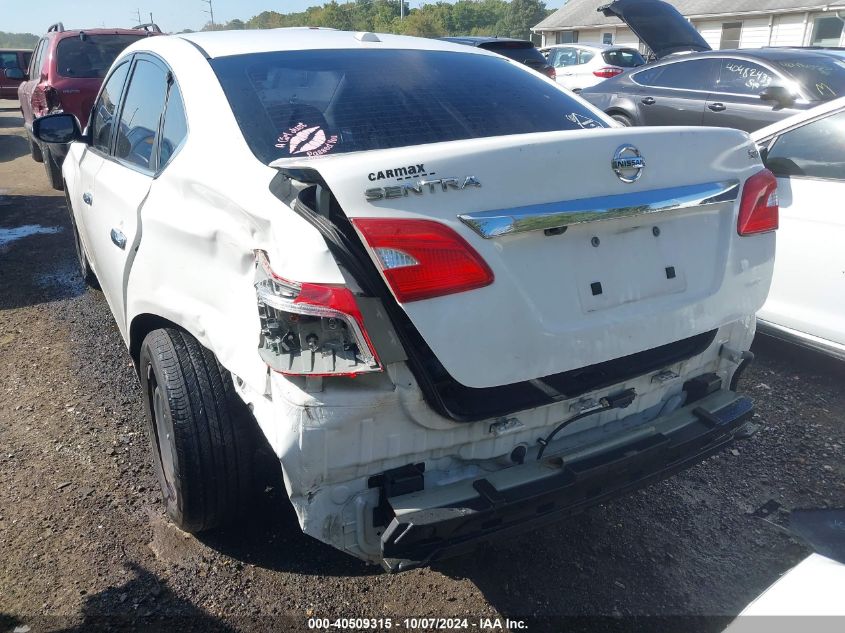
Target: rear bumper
(440,523)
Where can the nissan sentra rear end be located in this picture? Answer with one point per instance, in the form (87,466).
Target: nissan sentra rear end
(523,309)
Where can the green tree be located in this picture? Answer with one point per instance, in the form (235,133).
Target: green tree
(520,16)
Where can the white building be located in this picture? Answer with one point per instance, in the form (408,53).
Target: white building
(723,23)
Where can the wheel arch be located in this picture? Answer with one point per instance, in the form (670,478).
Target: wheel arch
(141,326)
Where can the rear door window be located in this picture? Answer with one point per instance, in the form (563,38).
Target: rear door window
(140,115)
(175,127)
(695,74)
(738,76)
(91,56)
(563,57)
(585,57)
(102,121)
(814,150)
(37,61)
(822,78)
(315,102)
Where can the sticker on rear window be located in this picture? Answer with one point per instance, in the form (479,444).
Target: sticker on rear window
(306,140)
(582,121)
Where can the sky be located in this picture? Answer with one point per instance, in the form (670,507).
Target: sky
(171,15)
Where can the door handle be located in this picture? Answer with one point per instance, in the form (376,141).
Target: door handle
(118,238)
(87,198)
(648,101)
(718,107)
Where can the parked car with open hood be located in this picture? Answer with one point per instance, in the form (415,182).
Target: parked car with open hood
(579,66)
(430,327)
(64,75)
(521,51)
(807,302)
(13,65)
(743,89)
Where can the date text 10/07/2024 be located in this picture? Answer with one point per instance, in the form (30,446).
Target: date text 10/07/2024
(412,624)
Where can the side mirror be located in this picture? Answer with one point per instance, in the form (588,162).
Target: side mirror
(780,95)
(56,128)
(15,73)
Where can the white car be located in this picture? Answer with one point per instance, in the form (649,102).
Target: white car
(455,299)
(579,66)
(806,304)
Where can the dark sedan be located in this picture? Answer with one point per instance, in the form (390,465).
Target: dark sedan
(521,51)
(692,85)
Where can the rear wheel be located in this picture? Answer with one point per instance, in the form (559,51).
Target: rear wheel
(622,119)
(201,432)
(54,172)
(84,265)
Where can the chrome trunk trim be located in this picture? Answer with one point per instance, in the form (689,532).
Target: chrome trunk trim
(557,215)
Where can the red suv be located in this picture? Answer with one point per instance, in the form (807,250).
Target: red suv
(65,75)
(13,63)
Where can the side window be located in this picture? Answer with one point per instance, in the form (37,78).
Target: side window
(814,150)
(175,127)
(37,58)
(102,121)
(140,115)
(565,57)
(8,60)
(695,74)
(585,56)
(738,76)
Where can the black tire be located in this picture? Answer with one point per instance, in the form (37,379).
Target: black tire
(622,119)
(54,172)
(201,432)
(85,271)
(35,150)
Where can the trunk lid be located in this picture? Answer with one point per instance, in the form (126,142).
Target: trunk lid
(659,25)
(639,265)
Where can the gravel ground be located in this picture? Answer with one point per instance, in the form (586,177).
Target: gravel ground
(84,542)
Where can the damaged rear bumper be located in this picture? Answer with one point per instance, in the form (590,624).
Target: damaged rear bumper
(450,520)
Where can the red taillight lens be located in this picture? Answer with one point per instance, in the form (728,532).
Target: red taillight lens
(608,71)
(758,211)
(422,259)
(550,72)
(311,329)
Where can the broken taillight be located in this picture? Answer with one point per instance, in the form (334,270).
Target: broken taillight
(310,329)
(421,259)
(759,211)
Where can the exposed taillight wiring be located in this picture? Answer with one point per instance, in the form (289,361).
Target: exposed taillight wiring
(311,329)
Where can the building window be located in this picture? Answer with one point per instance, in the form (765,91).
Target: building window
(607,38)
(731,32)
(827,31)
(568,37)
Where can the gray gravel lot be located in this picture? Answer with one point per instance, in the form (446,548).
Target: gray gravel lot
(84,541)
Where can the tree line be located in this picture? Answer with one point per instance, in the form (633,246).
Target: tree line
(464,17)
(17,40)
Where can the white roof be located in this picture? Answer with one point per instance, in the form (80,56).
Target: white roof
(812,113)
(225,43)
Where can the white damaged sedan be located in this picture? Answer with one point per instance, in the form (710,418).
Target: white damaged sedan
(456,300)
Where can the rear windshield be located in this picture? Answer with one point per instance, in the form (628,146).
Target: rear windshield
(92,56)
(624,57)
(524,52)
(310,103)
(823,78)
